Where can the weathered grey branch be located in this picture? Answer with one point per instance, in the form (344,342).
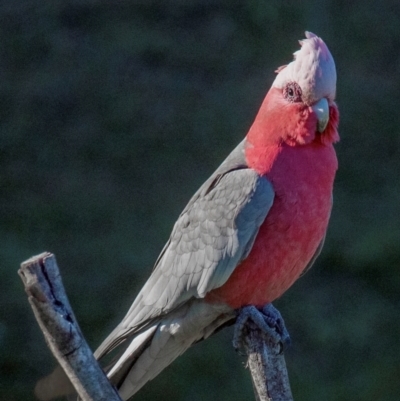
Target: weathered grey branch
(267,366)
(56,319)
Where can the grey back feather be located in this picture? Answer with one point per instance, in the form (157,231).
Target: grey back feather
(215,231)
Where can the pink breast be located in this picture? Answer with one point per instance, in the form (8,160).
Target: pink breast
(295,225)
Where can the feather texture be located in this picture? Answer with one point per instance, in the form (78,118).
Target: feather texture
(211,236)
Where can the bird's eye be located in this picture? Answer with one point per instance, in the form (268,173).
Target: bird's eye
(292,92)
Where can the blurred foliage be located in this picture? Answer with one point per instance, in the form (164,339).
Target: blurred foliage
(112,113)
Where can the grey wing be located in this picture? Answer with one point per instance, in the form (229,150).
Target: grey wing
(208,241)
(213,234)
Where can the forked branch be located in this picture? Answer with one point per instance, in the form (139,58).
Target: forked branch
(46,294)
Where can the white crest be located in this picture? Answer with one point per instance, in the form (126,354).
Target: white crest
(313,68)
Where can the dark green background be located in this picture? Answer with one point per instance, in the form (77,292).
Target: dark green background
(112,113)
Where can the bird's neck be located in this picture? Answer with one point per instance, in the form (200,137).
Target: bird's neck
(279,125)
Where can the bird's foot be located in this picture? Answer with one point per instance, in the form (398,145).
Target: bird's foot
(267,319)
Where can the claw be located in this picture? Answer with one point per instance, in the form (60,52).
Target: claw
(276,320)
(268,320)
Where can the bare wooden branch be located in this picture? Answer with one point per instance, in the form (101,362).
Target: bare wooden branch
(267,366)
(56,319)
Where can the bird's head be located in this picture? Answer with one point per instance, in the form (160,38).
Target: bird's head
(300,107)
(311,76)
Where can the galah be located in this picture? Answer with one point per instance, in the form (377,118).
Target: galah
(250,230)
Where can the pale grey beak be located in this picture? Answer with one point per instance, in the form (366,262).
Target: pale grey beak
(321,109)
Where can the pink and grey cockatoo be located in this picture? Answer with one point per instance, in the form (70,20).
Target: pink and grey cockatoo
(250,230)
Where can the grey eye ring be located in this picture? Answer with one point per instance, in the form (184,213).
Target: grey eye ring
(292,92)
